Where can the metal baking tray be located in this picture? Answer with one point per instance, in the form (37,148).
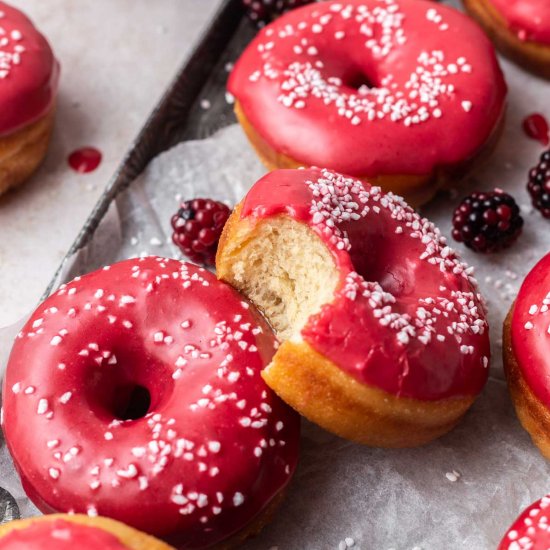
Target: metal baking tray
(179,115)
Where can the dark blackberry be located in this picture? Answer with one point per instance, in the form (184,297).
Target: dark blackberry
(198,225)
(263,12)
(487,221)
(539,184)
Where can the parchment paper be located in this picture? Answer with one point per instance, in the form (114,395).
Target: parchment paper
(460,492)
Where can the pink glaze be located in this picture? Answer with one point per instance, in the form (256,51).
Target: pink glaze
(531,531)
(528,19)
(28,71)
(434,96)
(60,534)
(215,446)
(530,329)
(406,316)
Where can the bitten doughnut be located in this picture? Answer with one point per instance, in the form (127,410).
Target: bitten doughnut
(135,393)
(527,354)
(531,530)
(385,337)
(402,93)
(74,532)
(29,74)
(519,28)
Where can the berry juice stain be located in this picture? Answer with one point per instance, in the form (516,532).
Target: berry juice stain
(85,160)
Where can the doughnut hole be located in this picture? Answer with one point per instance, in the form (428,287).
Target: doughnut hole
(357,81)
(285,270)
(128,390)
(132,402)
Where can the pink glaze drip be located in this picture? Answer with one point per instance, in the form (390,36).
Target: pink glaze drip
(403,87)
(85,160)
(530,329)
(530,531)
(535,126)
(216,444)
(406,316)
(528,19)
(60,535)
(29,72)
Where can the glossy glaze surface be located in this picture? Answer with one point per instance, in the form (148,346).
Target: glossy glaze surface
(406,317)
(196,464)
(352,86)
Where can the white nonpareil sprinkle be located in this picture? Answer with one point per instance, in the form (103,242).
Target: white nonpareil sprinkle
(453,476)
(42,406)
(65,397)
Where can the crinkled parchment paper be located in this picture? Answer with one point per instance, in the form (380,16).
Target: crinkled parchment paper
(460,492)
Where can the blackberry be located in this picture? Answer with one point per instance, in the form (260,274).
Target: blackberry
(539,184)
(263,12)
(487,221)
(198,225)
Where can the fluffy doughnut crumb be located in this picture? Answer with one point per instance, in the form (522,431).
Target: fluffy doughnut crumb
(286,271)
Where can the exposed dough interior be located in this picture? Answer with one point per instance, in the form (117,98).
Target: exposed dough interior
(286,270)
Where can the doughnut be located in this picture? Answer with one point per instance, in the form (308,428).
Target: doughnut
(526,354)
(404,94)
(530,531)
(29,76)
(520,29)
(135,393)
(384,334)
(67,532)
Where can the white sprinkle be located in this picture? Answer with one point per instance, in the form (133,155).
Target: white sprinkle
(42,406)
(452,476)
(66,397)
(214,446)
(238,499)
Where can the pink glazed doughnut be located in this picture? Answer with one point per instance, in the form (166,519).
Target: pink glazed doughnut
(135,393)
(402,93)
(385,337)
